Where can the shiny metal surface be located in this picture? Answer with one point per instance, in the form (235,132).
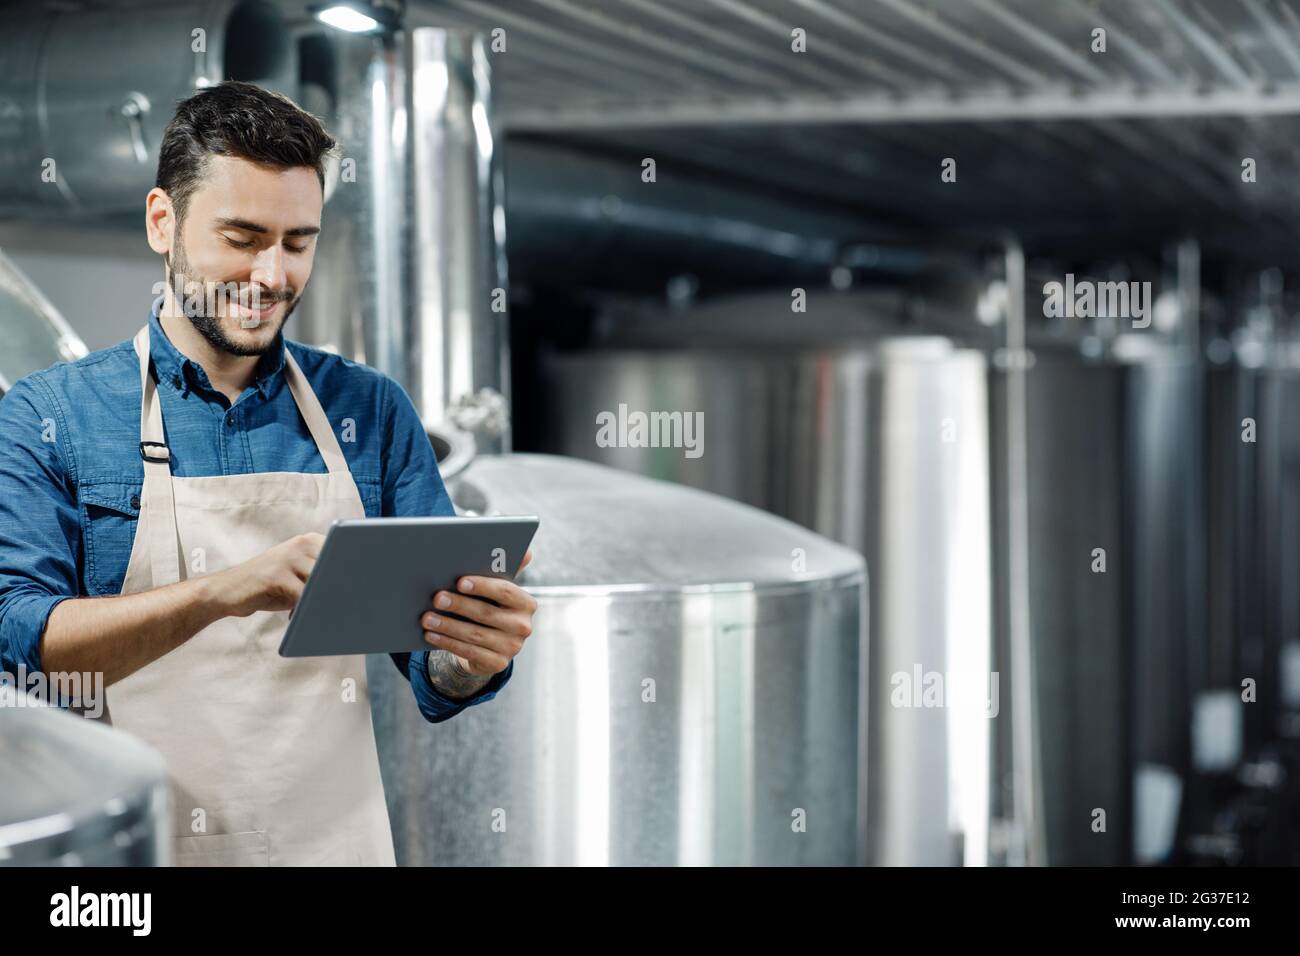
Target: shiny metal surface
(1075,466)
(35,334)
(1156,569)
(74,792)
(1166,542)
(357,288)
(882,445)
(454,337)
(84,97)
(1279,529)
(409,274)
(691,695)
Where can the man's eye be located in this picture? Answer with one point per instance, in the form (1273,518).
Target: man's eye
(296,248)
(239,245)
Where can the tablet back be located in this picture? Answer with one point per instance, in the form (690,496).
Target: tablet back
(376,577)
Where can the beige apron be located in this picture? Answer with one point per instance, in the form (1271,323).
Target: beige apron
(272,760)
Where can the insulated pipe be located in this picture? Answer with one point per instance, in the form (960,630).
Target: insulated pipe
(84,97)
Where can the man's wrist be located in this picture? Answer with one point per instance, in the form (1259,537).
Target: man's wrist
(451,678)
(213,596)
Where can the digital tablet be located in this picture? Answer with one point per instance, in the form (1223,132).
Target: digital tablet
(376,577)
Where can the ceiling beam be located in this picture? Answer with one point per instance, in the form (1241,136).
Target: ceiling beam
(974,107)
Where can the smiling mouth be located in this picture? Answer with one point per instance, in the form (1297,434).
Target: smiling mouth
(250,318)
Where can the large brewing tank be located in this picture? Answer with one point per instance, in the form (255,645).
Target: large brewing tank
(76,793)
(879,441)
(692,692)
(79,131)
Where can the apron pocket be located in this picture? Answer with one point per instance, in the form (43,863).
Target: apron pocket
(246,848)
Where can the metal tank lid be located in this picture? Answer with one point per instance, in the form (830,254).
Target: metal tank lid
(607,530)
(68,777)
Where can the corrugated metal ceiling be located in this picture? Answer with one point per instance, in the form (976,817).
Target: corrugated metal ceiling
(1052,139)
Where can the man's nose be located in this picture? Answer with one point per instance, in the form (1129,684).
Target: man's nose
(268,269)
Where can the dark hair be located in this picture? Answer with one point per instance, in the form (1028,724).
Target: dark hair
(237,119)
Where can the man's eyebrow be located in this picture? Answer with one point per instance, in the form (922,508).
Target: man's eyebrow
(247,226)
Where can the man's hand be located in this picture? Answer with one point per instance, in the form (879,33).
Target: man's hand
(272,581)
(499,618)
(119,635)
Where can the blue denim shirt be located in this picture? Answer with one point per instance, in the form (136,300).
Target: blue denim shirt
(70,471)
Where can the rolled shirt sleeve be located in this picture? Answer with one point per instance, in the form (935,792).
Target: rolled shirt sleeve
(413,487)
(40,527)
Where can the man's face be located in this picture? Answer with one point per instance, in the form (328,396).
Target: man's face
(247,244)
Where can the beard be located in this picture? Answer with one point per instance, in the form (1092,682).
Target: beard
(209,325)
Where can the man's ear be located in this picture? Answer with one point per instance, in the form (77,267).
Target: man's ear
(159,221)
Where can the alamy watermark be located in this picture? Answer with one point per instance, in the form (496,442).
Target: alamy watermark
(1085,299)
(635,429)
(975,691)
(84,689)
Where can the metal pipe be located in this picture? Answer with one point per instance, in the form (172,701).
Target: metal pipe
(1032,835)
(412,254)
(458,359)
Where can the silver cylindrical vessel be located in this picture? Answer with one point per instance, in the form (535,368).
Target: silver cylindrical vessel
(692,692)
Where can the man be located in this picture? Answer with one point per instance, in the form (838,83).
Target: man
(162,503)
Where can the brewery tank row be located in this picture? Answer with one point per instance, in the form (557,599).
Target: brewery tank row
(1151,548)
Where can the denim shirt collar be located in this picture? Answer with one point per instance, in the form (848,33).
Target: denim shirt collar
(184,374)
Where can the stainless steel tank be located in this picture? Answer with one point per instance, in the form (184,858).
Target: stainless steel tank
(882,444)
(1074,589)
(692,692)
(74,792)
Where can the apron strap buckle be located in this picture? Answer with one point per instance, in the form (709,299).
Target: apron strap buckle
(163,456)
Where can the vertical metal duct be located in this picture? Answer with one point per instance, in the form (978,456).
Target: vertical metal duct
(357,294)
(407,277)
(457,261)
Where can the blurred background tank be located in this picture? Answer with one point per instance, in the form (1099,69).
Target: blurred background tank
(843,422)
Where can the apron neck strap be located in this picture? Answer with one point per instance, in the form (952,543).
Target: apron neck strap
(164,544)
(313,414)
(153,448)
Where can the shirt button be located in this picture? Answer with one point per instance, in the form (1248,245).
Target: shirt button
(230,420)
(135,502)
